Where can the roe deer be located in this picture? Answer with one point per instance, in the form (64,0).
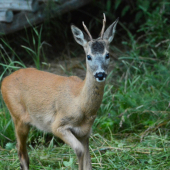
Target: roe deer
(64,106)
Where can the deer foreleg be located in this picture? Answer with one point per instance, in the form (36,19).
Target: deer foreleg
(86,159)
(67,136)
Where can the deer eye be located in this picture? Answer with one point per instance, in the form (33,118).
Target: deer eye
(88,57)
(107,56)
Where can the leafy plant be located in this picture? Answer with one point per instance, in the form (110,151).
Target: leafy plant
(35,53)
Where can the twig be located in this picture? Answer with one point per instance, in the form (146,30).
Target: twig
(164,41)
(6,137)
(151,129)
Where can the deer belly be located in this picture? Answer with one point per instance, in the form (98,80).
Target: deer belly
(42,122)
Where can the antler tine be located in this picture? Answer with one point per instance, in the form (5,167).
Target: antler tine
(87,31)
(104,23)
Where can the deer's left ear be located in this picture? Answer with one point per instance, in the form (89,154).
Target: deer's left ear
(109,33)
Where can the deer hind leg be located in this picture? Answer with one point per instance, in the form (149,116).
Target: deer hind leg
(21,131)
(67,136)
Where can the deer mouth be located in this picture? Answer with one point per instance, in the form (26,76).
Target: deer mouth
(100,77)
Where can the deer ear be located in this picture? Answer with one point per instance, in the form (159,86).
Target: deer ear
(78,35)
(109,33)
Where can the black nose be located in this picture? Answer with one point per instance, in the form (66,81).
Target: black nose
(100,75)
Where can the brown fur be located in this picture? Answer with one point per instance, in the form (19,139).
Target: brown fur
(64,106)
(56,104)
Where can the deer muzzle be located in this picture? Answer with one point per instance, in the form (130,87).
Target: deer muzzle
(101,76)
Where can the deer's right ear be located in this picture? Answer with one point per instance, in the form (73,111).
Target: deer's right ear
(78,35)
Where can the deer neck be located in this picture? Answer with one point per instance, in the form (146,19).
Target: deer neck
(91,95)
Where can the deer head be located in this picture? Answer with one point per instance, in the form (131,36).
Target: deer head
(97,50)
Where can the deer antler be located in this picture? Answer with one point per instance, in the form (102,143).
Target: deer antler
(87,31)
(104,23)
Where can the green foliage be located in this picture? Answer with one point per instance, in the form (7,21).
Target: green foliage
(36,44)
(150,153)
(141,98)
(140,101)
(68,164)
(10,146)
(7,64)
(7,134)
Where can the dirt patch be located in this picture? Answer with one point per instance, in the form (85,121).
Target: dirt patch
(67,67)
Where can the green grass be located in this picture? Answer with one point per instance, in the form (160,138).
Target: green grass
(125,153)
(126,134)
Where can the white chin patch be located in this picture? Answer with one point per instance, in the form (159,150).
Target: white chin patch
(97,79)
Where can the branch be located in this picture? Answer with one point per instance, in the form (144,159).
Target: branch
(27,19)
(6,15)
(18,5)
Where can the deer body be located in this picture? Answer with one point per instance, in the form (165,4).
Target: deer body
(78,104)
(64,106)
